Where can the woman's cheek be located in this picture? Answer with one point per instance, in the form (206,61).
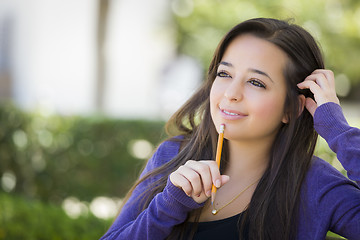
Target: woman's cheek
(270,110)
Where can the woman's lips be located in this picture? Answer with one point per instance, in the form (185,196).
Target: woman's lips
(231,114)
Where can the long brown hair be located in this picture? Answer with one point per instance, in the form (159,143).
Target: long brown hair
(273,209)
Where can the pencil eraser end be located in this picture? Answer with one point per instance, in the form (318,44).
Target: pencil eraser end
(222,128)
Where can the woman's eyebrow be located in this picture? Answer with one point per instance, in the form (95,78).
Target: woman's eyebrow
(226,64)
(254,70)
(260,72)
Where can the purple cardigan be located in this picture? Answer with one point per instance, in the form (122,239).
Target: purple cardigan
(329,201)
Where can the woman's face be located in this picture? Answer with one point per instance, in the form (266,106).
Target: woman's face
(248,94)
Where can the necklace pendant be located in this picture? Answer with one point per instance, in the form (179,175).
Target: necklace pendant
(214,212)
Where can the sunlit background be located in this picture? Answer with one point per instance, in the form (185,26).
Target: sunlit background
(118,58)
(86,85)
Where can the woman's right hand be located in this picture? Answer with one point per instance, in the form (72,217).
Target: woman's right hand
(195,178)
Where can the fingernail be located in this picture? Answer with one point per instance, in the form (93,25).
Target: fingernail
(208,193)
(218,183)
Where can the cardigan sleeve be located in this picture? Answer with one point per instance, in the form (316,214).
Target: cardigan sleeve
(337,198)
(343,139)
(167,209)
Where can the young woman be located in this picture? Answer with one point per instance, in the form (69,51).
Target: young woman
(268,86)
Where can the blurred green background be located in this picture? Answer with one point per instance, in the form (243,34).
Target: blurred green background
(63,177)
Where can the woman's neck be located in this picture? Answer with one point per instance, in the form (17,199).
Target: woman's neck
(247,159)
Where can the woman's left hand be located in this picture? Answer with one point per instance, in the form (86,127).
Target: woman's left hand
(321,83)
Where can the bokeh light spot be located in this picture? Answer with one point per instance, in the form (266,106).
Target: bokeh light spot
(342,85)
(8,181)
(74,208)
(104,207)
(45,138)
(182,8)
(140,148)
(20,139)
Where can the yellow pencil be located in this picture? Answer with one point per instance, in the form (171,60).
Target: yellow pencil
(218,158)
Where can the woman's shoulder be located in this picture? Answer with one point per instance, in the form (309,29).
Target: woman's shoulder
(166,151)
(170,147)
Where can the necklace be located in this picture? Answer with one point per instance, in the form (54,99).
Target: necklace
(215,211)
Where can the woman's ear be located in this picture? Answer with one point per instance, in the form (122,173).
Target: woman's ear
(302,101)
(285,118)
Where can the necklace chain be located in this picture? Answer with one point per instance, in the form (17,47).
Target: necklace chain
(215,211)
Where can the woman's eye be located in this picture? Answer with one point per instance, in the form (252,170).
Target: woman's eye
(222,74)
(257,83)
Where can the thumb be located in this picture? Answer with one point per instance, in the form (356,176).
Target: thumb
(224,179)
(310,105)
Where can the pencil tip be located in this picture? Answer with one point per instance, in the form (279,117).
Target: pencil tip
(212,198)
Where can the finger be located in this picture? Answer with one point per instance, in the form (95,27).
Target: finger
(194,178)
(321,95)
(224,179)
(310,105)
(318,78)
(314,88)
(329,76)
(181,182)
(215,173)
(328,73)
(203,169)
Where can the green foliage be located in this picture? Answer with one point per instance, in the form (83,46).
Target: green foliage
(33,220)
(53,157)
(331,235)
(335,24)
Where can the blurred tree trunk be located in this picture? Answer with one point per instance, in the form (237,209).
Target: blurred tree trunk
(103,9)
(5,86)
(6,28)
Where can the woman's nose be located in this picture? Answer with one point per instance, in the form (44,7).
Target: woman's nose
(234,91)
